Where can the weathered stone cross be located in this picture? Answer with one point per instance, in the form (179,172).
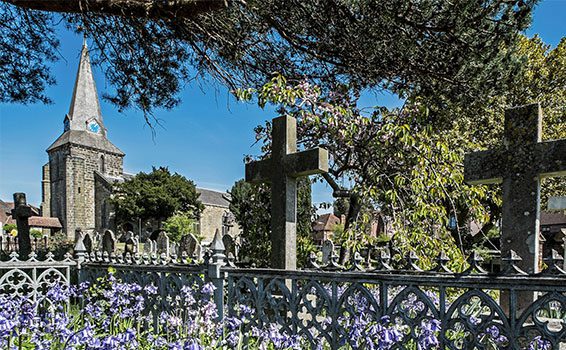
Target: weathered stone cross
(519,165)
(282,170)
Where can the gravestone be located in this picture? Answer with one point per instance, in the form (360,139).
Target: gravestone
(87,242)
(327,251)
(149,247)
(108,242)
(162,243)
(21,212)
(131,243)
(519,165)
(229,246)
(188,245)
(281,171)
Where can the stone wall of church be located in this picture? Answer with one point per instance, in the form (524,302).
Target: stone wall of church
(211,220)
(103,209)
(73,184)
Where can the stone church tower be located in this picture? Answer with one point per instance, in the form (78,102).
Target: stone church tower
(83,163)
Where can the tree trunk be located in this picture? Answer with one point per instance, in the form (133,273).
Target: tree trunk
(353,212)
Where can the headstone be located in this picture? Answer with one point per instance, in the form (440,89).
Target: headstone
(229,245)
(108,242)
(519,165)
(149,247)
(327,251)
(87,241)
(21,212)
(162,243)
(282,170)
(188,244)
(131,243)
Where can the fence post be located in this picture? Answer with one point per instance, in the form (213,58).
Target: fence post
(80,252)
(215,274)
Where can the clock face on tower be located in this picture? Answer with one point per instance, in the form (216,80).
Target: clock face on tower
(93,126)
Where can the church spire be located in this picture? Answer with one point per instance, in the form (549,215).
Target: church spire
(84,112)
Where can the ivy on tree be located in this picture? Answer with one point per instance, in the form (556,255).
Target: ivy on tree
(157,195)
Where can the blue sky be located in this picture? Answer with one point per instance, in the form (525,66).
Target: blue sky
(205,138)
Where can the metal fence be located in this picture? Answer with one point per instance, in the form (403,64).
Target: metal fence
(31,278)
(476,309)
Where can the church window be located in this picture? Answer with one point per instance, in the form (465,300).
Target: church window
(66,124)
(79,190)
(101,164)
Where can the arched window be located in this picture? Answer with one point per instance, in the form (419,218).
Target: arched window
(101,164)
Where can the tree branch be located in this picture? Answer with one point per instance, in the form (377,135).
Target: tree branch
(125,8)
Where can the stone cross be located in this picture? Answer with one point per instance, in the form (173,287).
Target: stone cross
(519,165)
(22,212)
(282,170)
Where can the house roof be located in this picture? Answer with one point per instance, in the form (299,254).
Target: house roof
(6,210)
(216,198)
(326,222)
(44,222)
(552,218)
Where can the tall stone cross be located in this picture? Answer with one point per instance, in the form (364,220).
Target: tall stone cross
(519,165)
(282,171)
(21,212)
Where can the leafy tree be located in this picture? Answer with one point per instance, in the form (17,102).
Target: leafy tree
(408,162)
(156,195)
(180,225)
(149,49)
(251,205)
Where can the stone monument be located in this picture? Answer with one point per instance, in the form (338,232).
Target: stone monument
(282,171)
(21,212)
(519,165)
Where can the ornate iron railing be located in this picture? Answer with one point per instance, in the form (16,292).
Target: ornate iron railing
(167,273)
(31,278)
(476,310)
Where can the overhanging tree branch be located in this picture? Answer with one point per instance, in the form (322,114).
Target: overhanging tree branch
(125,8)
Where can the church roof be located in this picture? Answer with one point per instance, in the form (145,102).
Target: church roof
(83,123)
(84,103)
(87,139)
(216,198)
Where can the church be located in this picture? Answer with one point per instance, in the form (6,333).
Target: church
(83,165)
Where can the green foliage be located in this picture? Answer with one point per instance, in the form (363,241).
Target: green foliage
(9,227)
(35,233)
(251,205)
(408,162)
(180,225)
(426,46)
(157,195)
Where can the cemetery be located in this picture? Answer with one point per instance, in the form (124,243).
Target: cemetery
(447,228)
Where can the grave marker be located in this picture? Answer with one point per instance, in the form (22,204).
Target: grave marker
(519,165)
(162,243)
(281,171)
(21,212)
(108,242)
(327,251)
